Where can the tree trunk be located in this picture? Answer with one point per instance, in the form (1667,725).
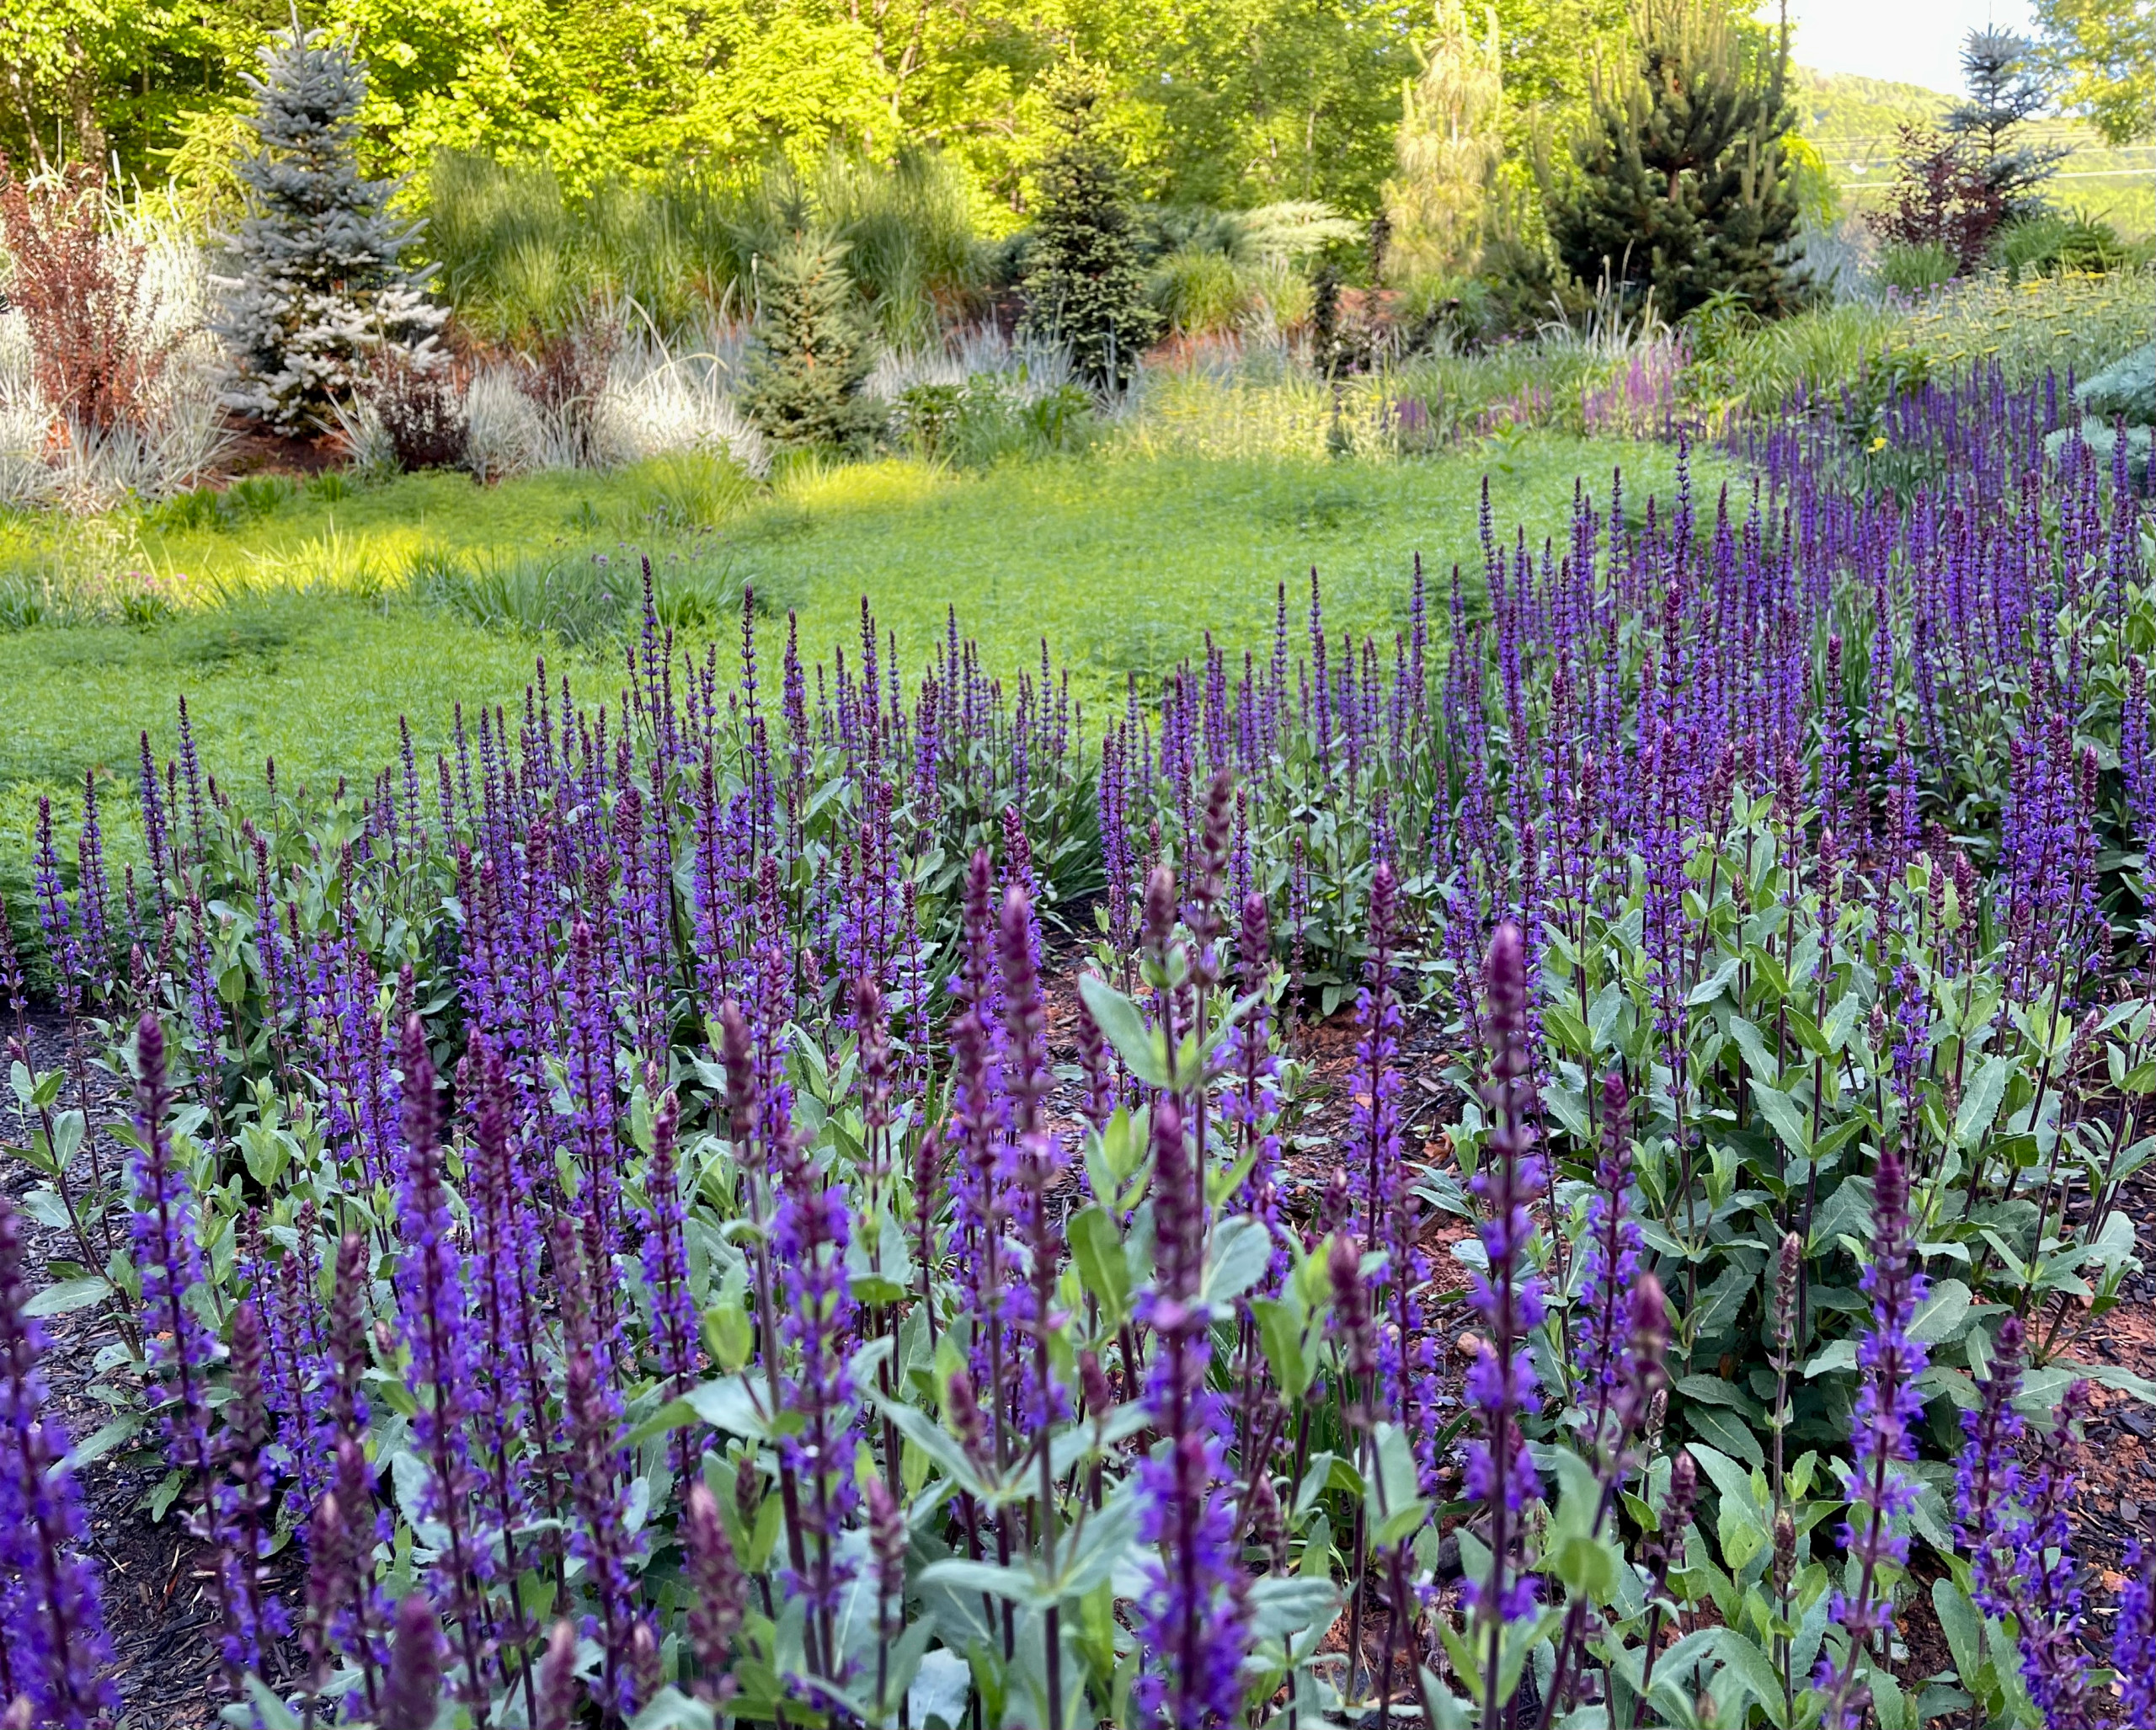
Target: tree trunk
(82,95)
(18,90)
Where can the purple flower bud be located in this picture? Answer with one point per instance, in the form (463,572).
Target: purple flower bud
(662,1221)
(887,1544)
(2133,1646)
(1193,1618)
(1988,1476)
(12,991)
(1158,925)
(1610,1259)
(256,1618)
(435,1326)
(1093,1383)
(717,1593)
(1881,1490)
(1666,1546)
(969,1423)
(61,948)
(328,1566)
(411,1694)
(169,1262)
(1351,1306)
(560,1693)
(598,1476)
(2048,1599)
(1094,1059)
(1502,1385)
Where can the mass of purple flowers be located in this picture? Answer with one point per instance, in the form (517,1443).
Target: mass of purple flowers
(53,1648)
(814,1194)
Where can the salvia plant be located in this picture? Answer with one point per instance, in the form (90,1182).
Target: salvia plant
(802,1195)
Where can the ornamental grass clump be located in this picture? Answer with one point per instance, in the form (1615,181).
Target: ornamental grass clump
(810,1192)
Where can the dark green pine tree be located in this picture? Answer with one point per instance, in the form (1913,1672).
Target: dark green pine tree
(1084,288)
(1682,187)
(813,352)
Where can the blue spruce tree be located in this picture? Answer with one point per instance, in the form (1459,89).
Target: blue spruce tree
(317,288)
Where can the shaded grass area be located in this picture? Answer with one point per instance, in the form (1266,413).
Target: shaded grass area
(303,626)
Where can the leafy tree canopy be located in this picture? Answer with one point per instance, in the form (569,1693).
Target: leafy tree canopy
(1223,101)
(1226,102)
(2104,52)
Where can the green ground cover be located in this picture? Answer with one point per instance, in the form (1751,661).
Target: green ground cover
(303,628)
(1122,565)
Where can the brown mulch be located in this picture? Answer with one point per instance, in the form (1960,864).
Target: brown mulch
(253,451)
(2116,1501)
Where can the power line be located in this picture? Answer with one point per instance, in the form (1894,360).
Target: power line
(2078,174)
(1847,144)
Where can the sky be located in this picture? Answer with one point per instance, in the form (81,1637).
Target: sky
(1910,41)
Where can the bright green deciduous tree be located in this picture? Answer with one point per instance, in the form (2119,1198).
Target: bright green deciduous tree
(2105,53)
(596,89)
(84,80)
(1228,102)
(1254,102)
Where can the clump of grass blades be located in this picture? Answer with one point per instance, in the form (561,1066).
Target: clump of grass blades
(580,596)
(575,597)
(1812,354)
(521,258)
(687,490)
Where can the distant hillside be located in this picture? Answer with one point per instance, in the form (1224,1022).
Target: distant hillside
(1850,118)
(1856,122)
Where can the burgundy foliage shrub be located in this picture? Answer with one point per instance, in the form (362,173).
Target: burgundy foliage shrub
(86,293)
(1940,198)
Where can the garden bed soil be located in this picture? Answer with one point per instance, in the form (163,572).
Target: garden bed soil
(156,1577)
(253,452)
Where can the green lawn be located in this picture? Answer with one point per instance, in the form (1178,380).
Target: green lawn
(305,631)
(1124,564)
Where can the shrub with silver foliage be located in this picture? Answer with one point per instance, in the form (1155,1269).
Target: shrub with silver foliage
(317,280)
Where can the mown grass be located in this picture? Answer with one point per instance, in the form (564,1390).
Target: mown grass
(300,626)
(1124,564)
(316,680)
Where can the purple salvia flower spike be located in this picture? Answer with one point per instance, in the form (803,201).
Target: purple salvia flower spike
(411,1693)
(1882,1490)
(1502,1385)
(54,1651)
(433,1314)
